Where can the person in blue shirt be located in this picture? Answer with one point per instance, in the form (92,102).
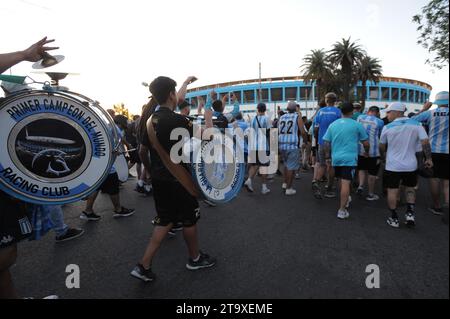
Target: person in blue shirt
(370,165)
(341,147)
(218,107)
(324,118)
(437,121)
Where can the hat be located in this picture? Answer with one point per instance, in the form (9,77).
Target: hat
(292,106)
(11,88)
(357,105)
(441,98)
(397,106)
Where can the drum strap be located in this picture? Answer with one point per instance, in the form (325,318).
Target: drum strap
(177,170)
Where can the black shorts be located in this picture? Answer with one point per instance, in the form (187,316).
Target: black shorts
(111,185)
(393,180)
(345,172)
(14,222)
(440,169)
(134,157)
(370,164)
(174,204)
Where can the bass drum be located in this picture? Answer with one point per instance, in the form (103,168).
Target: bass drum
(57,147)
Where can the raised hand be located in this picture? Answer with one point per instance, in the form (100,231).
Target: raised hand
(37,51)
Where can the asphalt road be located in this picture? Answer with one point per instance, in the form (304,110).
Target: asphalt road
(267,247)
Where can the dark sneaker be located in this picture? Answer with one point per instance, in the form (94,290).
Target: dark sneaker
(92,217)
(205,261)
(172,233)
(436,211)
(316,190)
(410,219)
(393,222)
(71,233)
(360,191)
(209,203)
(330,194)
(124,213)
(139,189)
(143,274)
(177,227)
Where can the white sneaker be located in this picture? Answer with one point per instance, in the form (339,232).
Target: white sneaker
(343,214)
(248,185)
(284,186)
(291,192)
(265,190)
(393,222)
(373,198)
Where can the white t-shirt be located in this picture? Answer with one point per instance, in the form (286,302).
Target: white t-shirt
(402,138)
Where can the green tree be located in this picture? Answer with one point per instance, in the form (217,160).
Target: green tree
(433,29)
(345,55)
(368,69)
(317,68)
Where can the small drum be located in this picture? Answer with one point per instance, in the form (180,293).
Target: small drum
(219,175)
(57,147)
(121,166)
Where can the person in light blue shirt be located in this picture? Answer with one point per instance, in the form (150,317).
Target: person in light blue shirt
(438,122)
(341,145)
(324,118)
(370,165)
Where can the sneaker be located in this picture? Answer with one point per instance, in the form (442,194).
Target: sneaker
(393,222)
(265,190)
(148,190)
(90,216)
(140,189)
(343,214)
(279,173)
(348,202)
(125,212)
(143,274)
(330,194)
(316,190)
(360,191)
(172,233)
(249,186)
(436,211)
(372,198)
(284,186)
(209,203)
(291,192)
(71,233)
(297,176)
(410,219)
(177,227)
(205,261)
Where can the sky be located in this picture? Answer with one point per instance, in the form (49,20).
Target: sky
(116,45)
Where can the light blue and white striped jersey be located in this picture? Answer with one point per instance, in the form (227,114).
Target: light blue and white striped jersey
(288,138)
(437,121)
(259,126)
(373,126)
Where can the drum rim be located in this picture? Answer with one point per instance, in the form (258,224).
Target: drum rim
(73,97)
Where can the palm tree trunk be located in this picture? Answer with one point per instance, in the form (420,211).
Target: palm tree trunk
(364,94)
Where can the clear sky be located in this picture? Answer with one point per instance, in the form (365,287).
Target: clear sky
(116,45)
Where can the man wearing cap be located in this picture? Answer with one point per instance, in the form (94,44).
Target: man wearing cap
(403,135)
(324,118)
(438,122)
(358,111)
(370,165)
(258,144)
(289,129)
(341,143)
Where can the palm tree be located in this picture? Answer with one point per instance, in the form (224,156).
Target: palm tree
(345,54)
(317,68)
(368,69)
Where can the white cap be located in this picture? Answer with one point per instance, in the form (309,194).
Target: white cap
(441,98)
(397,106)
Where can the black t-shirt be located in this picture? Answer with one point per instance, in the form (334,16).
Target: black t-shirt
(165,121)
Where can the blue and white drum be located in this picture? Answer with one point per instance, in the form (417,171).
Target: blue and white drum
(219,177)
(57,147)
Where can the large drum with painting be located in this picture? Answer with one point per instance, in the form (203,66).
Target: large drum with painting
(56,147)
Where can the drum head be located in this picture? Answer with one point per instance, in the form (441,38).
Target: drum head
(56,149)
(121,167)
(219,177)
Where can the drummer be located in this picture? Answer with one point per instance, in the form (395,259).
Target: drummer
(174,200)
(14,223)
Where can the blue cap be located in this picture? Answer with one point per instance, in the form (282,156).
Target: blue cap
(441,98)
